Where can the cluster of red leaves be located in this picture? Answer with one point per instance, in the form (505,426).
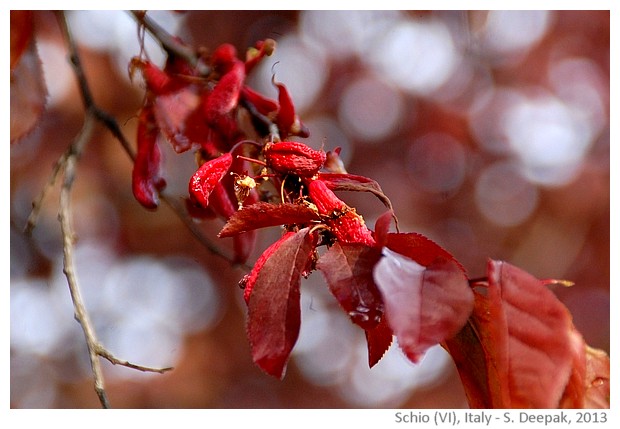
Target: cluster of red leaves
(513,342)
(207,107)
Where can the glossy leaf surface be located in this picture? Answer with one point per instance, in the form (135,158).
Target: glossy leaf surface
(423,305)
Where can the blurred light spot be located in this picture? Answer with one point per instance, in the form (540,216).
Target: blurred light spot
(58,75)
(303,68)
(32,382)
(34,322)
(389,383)
(580,84)
(326,337)
(417,56)
(487,113)
(548,137)
(508,31)
(504,196)
(370,109)
(332,351)
(141,307)
(344,33)
(436,162)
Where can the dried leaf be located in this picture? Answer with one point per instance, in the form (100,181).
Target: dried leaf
(355,183)
(262,215)
(348,271)
(274,305)
(423,305)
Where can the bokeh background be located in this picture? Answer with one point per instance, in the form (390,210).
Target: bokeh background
(489,131)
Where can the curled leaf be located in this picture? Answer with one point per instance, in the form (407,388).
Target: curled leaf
(146,175)
(207,177)
(355,183)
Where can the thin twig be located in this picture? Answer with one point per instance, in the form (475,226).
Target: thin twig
(68,163)
(165,39)
(64,216)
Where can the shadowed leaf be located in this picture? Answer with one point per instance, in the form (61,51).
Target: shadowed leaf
(379,340)
(262,215)
(274,305)
(348,271)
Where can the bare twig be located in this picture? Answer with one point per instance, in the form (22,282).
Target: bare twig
(68,164)
(165,39)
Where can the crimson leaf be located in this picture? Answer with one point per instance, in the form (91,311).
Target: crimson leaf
(348,271)
(263,214)
(379,340)
(423,305)
(274,305)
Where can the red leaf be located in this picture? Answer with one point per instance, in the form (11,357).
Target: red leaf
(526,351)
(175,113)
(418,247)
(274,305)
(243,244)
(262,215)
(146,176)
(294,158)
(423,305)
(379,340)
(265,106)
(207,177)
(287,120)
(225,96)
(348,271)
(382,228)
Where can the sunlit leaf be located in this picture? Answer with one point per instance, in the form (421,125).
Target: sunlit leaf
(423,305)
(520,349)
